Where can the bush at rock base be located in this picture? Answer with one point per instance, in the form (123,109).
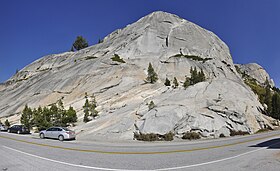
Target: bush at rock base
(234,133)
(191,136)
(153,137)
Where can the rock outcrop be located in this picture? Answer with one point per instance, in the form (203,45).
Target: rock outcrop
(173,45)
(257,72)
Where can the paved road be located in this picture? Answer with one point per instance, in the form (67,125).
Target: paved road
(254,152)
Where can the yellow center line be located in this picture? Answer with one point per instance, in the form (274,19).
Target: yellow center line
(153,152)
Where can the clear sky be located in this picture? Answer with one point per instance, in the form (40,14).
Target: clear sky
(31,29)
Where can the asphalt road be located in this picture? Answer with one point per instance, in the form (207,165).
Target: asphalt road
(252,152)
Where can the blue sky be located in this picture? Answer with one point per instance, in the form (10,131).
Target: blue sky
(31,29)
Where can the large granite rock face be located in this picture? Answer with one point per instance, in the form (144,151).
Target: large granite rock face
(220,104)
(257,72)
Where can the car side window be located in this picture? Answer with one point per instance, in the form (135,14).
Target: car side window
(55,129)
(50,129)
(59,129)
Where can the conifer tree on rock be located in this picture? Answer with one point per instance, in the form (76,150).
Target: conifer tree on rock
(167,82)
(152,75)
(92,106)
(187,82)
(86,111)
(80,43)
(275,105)
(175,83)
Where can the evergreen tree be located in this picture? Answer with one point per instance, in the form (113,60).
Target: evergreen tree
(167,82)
(80,43)
(53,114)
(151,105)
(38,117)
(93,105)
(187,82)
(152,75)
(70,116)
(275,113)
(196,77)
(45,119)
(59,113)
(7,123)
(175,83)
(86,111)
(201,76)
(100,41)
(26,117)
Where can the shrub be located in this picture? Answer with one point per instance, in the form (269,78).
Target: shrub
(168,136)
(263,130)
(153,137)
(222,135)
(234,133)
(146,137)
(117,58)
(193,57)
(191,136)
(90,57)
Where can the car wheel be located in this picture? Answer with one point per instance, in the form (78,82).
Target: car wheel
(18,132)
(60,138)
(42,136)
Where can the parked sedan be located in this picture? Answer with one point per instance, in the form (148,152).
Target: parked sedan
(59,133)
(3,127)
(19,129)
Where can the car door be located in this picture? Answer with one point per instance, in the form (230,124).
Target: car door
(56,132)
(14,129)
(48,133)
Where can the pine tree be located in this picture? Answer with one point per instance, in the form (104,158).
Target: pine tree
(152,75)
(187,82)
(175,83)
(70,116)
(7,123)
(26,117)
(167,82)
(151,105)
(86,111)
(60,114)
(275,112)
(80,43)
(53,114)
(93,105)
(201,76)
(38,117)
(100,41)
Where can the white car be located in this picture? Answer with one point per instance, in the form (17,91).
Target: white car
(3,127)
(59,133)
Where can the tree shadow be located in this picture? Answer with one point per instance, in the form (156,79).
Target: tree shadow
(270,144)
